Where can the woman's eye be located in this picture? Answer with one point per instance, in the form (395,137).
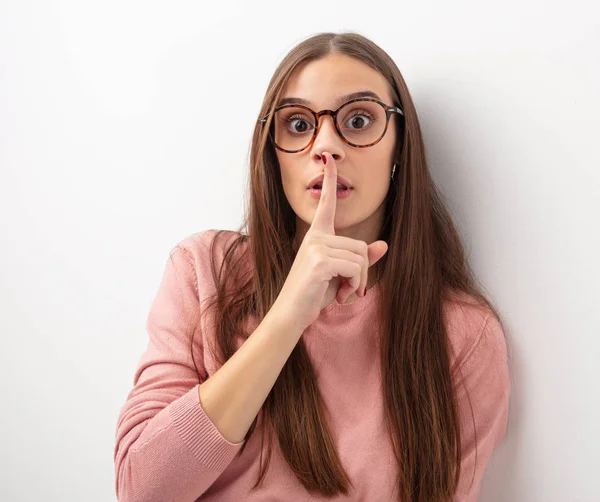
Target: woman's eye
(359,121)
(298,125)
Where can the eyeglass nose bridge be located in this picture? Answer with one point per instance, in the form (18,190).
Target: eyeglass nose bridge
(319,123)
(331,113)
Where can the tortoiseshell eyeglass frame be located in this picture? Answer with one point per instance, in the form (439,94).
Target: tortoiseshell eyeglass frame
(388,113)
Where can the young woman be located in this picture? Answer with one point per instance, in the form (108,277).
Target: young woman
(336,346)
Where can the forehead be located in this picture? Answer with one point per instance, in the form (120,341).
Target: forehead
(323,81)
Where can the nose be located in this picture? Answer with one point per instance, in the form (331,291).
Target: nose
(327,140)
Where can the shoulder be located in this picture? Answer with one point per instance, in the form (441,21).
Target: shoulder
(201,254)
(475,334)
(198,245)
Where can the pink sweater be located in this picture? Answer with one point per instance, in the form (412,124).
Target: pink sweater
(167,448)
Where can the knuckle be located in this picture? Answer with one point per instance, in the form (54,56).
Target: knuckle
(317,256)
(313,237)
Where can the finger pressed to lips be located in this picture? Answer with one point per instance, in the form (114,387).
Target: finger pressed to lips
(343,188)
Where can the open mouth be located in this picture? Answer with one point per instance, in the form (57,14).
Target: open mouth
(319,186)
(342,183)
(341,193)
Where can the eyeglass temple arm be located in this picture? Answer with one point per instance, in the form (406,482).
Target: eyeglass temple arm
(396,109)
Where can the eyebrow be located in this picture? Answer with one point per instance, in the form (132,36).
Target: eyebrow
(338,102)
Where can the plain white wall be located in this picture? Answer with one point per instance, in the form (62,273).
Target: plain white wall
(125,126)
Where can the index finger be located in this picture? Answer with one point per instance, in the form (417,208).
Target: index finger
(325,213)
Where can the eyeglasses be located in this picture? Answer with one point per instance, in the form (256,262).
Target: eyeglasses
(360,122)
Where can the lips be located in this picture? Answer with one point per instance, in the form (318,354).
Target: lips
(319,186)
(317,182)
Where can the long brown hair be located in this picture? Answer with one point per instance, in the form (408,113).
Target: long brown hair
(424,265)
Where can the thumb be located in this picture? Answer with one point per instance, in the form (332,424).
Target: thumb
(376,250)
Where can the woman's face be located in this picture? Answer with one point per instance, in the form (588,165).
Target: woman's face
(368,170)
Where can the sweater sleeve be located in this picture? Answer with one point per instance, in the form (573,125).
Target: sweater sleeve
(483,383)
(167,448)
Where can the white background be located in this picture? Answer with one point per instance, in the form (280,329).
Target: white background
(125,127)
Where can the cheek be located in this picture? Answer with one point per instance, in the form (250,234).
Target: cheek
(292,184)
(287,178)
(374,190)
(377,171)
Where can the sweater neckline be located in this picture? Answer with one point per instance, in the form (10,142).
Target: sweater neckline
(360,303)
